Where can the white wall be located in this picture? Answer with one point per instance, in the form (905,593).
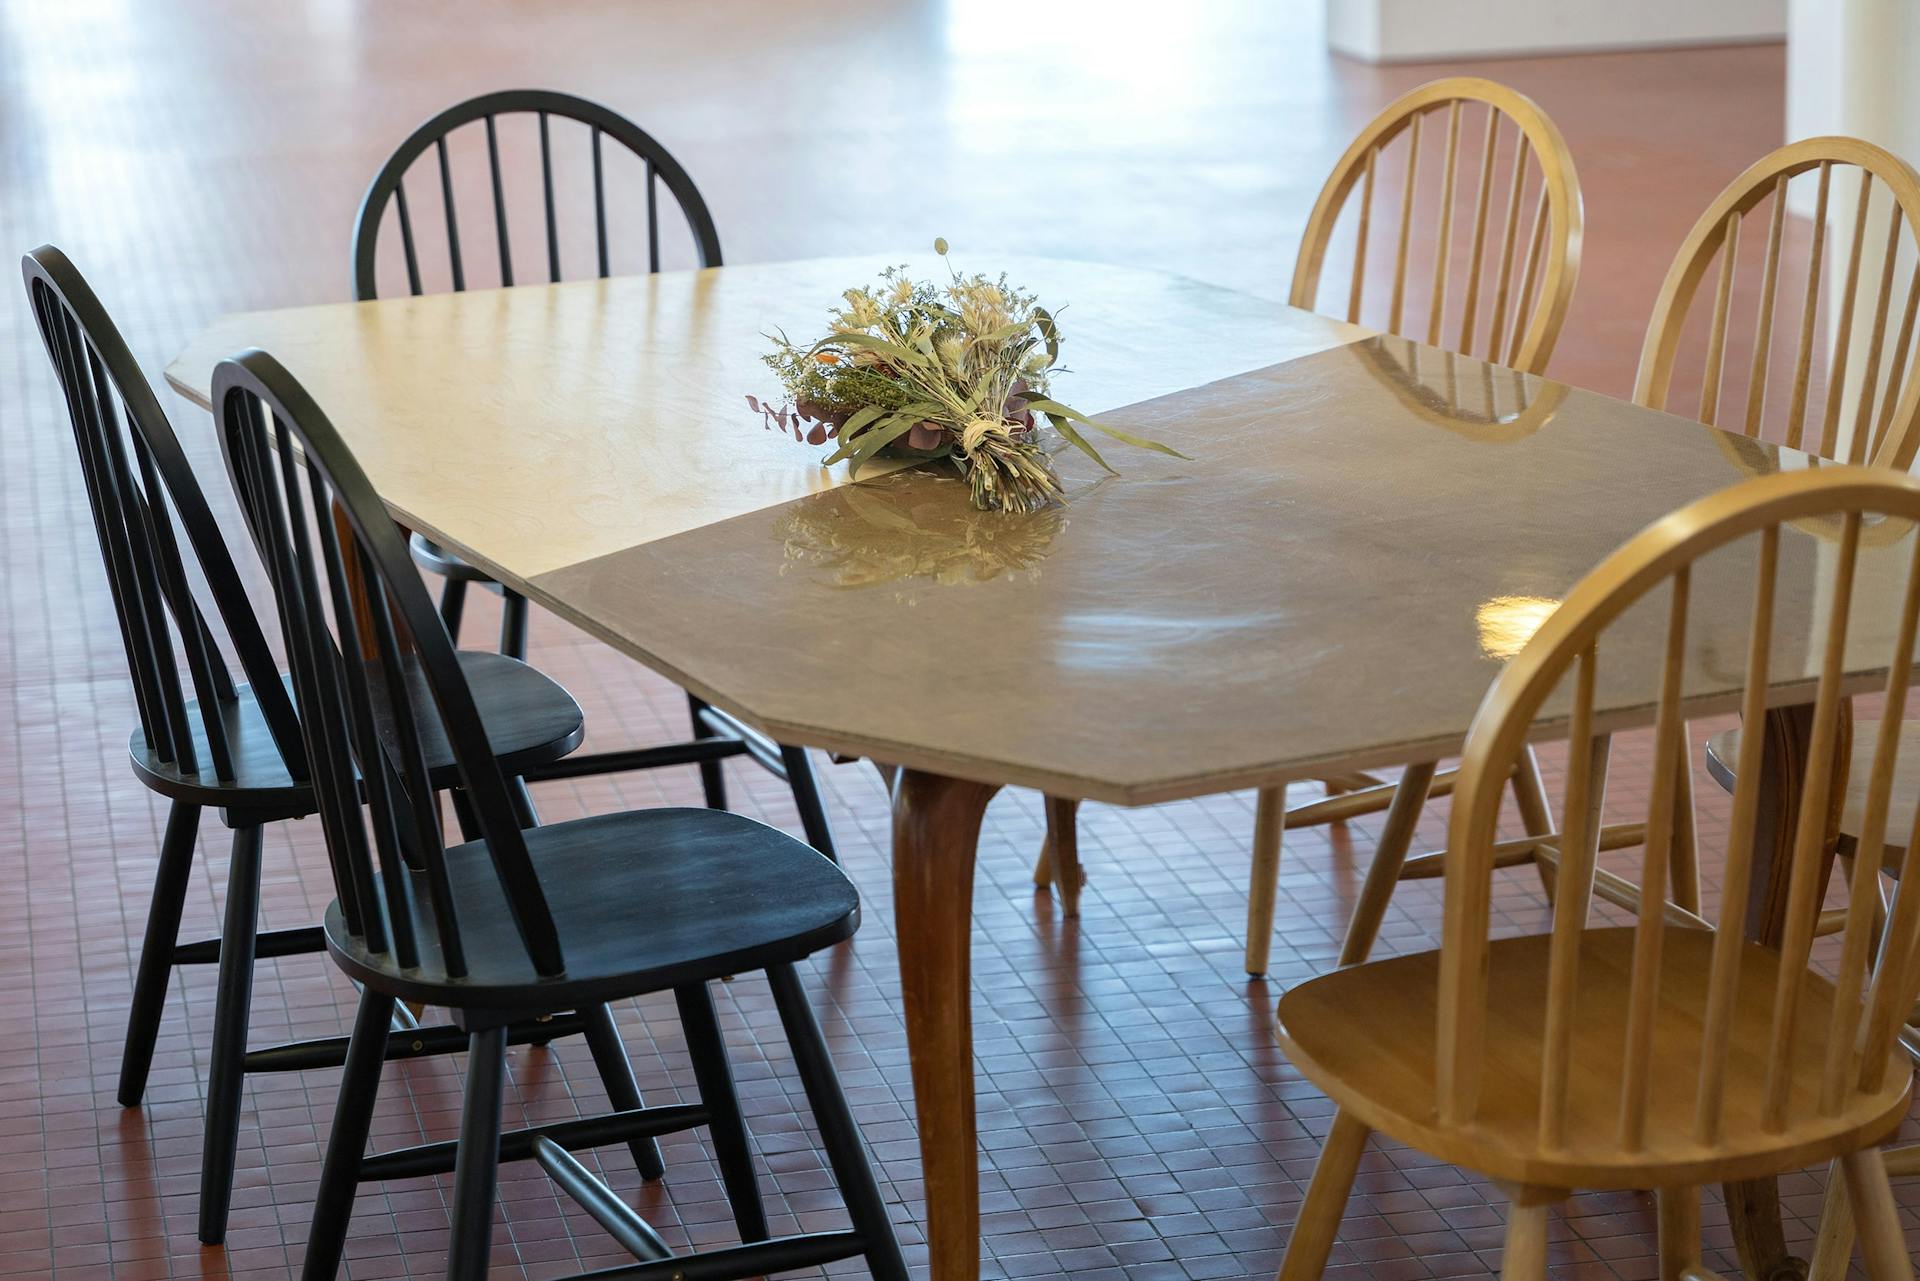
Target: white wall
(1426,30)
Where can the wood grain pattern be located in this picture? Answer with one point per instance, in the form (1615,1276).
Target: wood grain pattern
(936,826)
(1110,605)
(596,415)
(1656,1055)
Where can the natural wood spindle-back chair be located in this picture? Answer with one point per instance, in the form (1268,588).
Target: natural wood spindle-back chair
(1854,396)
(1659,1054)
(1503,294)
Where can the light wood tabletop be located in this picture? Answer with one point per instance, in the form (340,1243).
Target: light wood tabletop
(594,416)
(1365,531)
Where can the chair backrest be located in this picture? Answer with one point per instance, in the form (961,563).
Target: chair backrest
(1778,351)
(389,187)
(360,630)
(1512,301)
(1568,655)
(138,482)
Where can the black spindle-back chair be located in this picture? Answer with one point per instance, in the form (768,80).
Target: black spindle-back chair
(357,716)
(389,188)
(517,921)
(385,205)
(138,483)
(205,741)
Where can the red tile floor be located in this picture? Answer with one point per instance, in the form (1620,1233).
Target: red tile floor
(1137,1120)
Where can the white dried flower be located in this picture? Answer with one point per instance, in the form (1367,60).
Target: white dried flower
(863,309)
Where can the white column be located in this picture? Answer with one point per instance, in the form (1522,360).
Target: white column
(1853,68)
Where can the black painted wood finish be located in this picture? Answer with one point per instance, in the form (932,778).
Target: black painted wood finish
(592,124)
(555,113)
(515,921)
(207,741)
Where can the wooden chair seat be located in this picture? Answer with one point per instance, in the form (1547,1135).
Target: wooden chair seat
(1366,1036)
(530,719)
(1723,750)
(642,902)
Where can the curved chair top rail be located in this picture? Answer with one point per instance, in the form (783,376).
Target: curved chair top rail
(1525,304)
(138,481)
(359,713)
(388,187)
(1857,1051)
(1889,437)
(1466,396)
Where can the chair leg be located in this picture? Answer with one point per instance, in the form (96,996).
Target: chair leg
(1683,851)
(155,971)
(725,1127)
(476,1166)
(453,607)
(1833,1243)
(852,1169)
(712,780)
(233,993)
(463,815)
(1269,821)
(1389,858)
(616,1076)
(806,799)
(347,1141)
(1679,1220)
(520,796)
(1326,1204)
(1063,853)
(1882,1242)
(513,624)
(1061,813)
(1536,812)
(1525,1258)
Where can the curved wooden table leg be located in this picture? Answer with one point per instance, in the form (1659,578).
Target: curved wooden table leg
(936,828)
(1753,1207)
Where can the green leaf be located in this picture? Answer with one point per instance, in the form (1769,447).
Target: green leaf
(853,428)
(878,438)
(1049,331)
(1052,407)
(892,350)
(1012,329)
(1074,438)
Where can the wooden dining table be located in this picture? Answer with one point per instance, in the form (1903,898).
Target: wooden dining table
(1363,531)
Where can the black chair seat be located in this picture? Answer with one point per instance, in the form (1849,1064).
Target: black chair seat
(642,902)
(530,720)
(435,559)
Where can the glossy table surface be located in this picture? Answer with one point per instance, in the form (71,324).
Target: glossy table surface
(1365,530)
(538,427)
